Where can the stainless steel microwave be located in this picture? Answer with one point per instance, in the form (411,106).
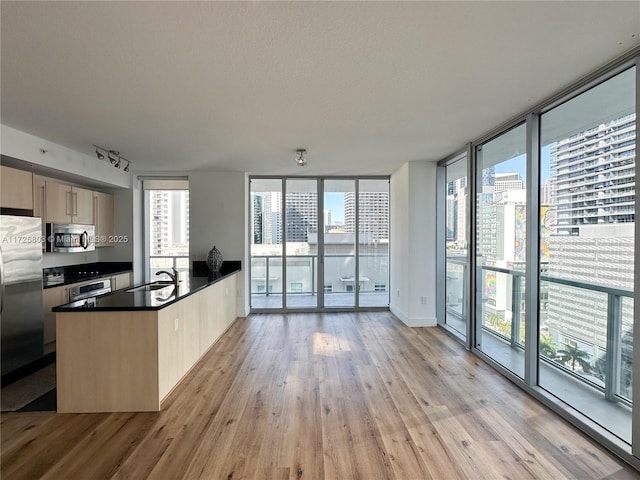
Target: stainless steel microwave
(70,237)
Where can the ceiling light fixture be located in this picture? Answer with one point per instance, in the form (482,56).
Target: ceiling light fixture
(114,157)
(301,160)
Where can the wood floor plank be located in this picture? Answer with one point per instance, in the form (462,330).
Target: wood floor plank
(318,396)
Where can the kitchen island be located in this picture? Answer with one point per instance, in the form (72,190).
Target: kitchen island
(130,348)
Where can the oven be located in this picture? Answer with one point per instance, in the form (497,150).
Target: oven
(70,237)
(86,294)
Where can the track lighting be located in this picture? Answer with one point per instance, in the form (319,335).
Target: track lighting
(114,157)
(301,160)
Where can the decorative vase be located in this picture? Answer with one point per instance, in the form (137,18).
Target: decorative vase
(214,259)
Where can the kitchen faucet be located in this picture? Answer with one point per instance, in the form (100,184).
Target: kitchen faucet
(173,276)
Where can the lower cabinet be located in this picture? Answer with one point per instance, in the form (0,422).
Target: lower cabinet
(120,281)
(127,361)
(52,297)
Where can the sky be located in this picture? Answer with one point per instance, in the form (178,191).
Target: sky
(518,164)
(334,201)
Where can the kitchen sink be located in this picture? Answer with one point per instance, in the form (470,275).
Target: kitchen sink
(149,287)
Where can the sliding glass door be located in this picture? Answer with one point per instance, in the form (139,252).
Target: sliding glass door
(373,242)
(455,231)
(501,204)
(301,234)
(319,243)
(339,233)
(587,234)
(266,243)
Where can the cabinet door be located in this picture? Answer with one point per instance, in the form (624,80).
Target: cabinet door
(103,216)
(16,188)
(52,297)
(59,200)
(120,281)
(82,206)
(40,204)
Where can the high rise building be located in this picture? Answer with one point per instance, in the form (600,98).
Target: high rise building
(374,213)
(301,215)
(592,195)
(258,215)
(169,222)
(594,176)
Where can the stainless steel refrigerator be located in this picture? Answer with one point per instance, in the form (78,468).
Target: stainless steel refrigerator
(21,311)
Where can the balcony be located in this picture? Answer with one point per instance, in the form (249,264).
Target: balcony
(302,289)
(585,362)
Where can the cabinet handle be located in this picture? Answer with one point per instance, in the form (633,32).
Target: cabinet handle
(95,216)
(43,215)
(75,203)
(67,197)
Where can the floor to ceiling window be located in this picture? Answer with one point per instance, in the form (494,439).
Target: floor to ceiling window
(266,243)
(455,231)
(339,264)
(336,232)
(373,241)
(554,253)
(167,226)
(587,252)
(300,234)
(501,205)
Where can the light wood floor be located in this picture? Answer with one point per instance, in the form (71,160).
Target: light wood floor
(336,396)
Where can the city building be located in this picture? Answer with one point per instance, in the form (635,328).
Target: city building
(594,176)
(169,222)
(373,211)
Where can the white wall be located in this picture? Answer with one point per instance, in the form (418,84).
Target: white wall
(217,216)
(413,243)
(24,146)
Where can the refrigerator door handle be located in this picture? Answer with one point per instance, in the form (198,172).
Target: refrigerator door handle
(1,281)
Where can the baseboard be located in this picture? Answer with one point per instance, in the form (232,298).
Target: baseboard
(413,321)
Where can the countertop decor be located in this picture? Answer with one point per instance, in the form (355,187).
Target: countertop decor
(214,259)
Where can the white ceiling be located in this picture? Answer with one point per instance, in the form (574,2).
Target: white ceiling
(363,86)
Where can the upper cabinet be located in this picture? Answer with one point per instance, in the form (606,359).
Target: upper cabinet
(67,204)
(16,188)
(103,215)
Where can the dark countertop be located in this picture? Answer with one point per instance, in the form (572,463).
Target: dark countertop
(58,276)
(127,300)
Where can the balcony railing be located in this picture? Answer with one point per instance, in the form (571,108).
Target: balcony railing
(604,365)
(301,274)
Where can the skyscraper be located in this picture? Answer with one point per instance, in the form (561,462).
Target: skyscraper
(169,222)
(374,213)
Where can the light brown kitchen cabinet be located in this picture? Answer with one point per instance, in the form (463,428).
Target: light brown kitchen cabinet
(103,216)
(67,204)
(52,297)
(120,281)
(16,188)
(40,204)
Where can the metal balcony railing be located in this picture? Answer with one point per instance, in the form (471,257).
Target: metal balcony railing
(266,270)
(611,361)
